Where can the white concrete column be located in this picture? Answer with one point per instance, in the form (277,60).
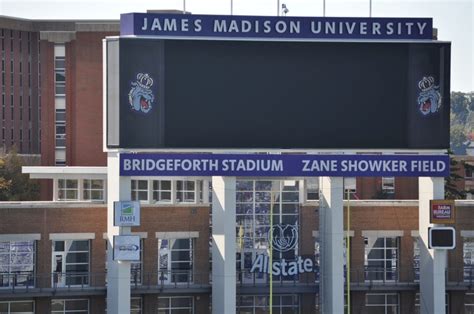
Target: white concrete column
(118,273)
(331,231)
(223,245)
(432,262)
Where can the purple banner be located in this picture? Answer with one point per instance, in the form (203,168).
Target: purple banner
(256,165)
(234,26)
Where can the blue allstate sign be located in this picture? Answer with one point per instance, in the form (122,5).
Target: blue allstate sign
(245,27)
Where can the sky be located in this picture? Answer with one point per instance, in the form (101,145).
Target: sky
(453,18)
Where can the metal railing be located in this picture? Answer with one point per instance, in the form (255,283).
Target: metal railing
(27,281)
(17,279)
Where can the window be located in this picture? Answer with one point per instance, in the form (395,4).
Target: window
(93,190)
(350,187)
(261,303)
(175,305)
(136,268)
(381,258)
(140,190)
(255,200)
(185,191)
(21,307)
(167,191)
(387,303)
(469,171)
(136,305)
(72,306)
(70,263)
(175,260)
(60,128)
(312,189)
(388,187)
(469,303)
(60,77)
(17,263)
(468,259)
(67,190)
(416,258)
(162,190)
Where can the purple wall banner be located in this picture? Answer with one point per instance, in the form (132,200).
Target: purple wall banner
(297,165)
(276,27)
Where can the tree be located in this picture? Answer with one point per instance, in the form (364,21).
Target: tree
(451,190)
(458,139)
(14,185)
(459,106)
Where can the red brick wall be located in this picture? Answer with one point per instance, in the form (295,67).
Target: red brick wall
(84,100)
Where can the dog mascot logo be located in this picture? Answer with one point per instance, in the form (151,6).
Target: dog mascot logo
(429,98)
(141,96)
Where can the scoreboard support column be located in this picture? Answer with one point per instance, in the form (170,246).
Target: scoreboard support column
(432,262)
(331,231)
(118,273)
(223,245)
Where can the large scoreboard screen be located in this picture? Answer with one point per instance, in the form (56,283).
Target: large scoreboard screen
(239,94)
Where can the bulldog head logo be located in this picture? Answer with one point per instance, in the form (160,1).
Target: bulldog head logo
(429,98)
(140,96)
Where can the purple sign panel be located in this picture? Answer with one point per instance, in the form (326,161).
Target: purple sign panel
(297,165)
(233,26)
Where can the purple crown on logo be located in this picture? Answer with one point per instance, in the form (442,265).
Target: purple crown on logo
(144,80)
(426,83)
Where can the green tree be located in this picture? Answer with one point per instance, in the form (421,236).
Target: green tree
(459,106)
(458,139)
(14,185)
(451,191)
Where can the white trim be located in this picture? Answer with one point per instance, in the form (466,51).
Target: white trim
(351,233)
(20,237)
(72,236)
(416,233)
(177,235)
(382,233)
(142,235)
(73,205)
(467,233)
(283,151)
(65,172)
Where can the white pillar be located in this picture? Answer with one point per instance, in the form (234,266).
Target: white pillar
(223,245)
(118,273)
(331,231)
(432,262)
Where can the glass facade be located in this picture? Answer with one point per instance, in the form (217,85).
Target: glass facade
(256,304)
(70,263)
(382,303)
(17,263)
(175,305)
(468,259)
(175,260)
(256,201)
(381,258)
(19,307)
(69,306)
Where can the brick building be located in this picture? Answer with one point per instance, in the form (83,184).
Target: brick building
(53,253)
